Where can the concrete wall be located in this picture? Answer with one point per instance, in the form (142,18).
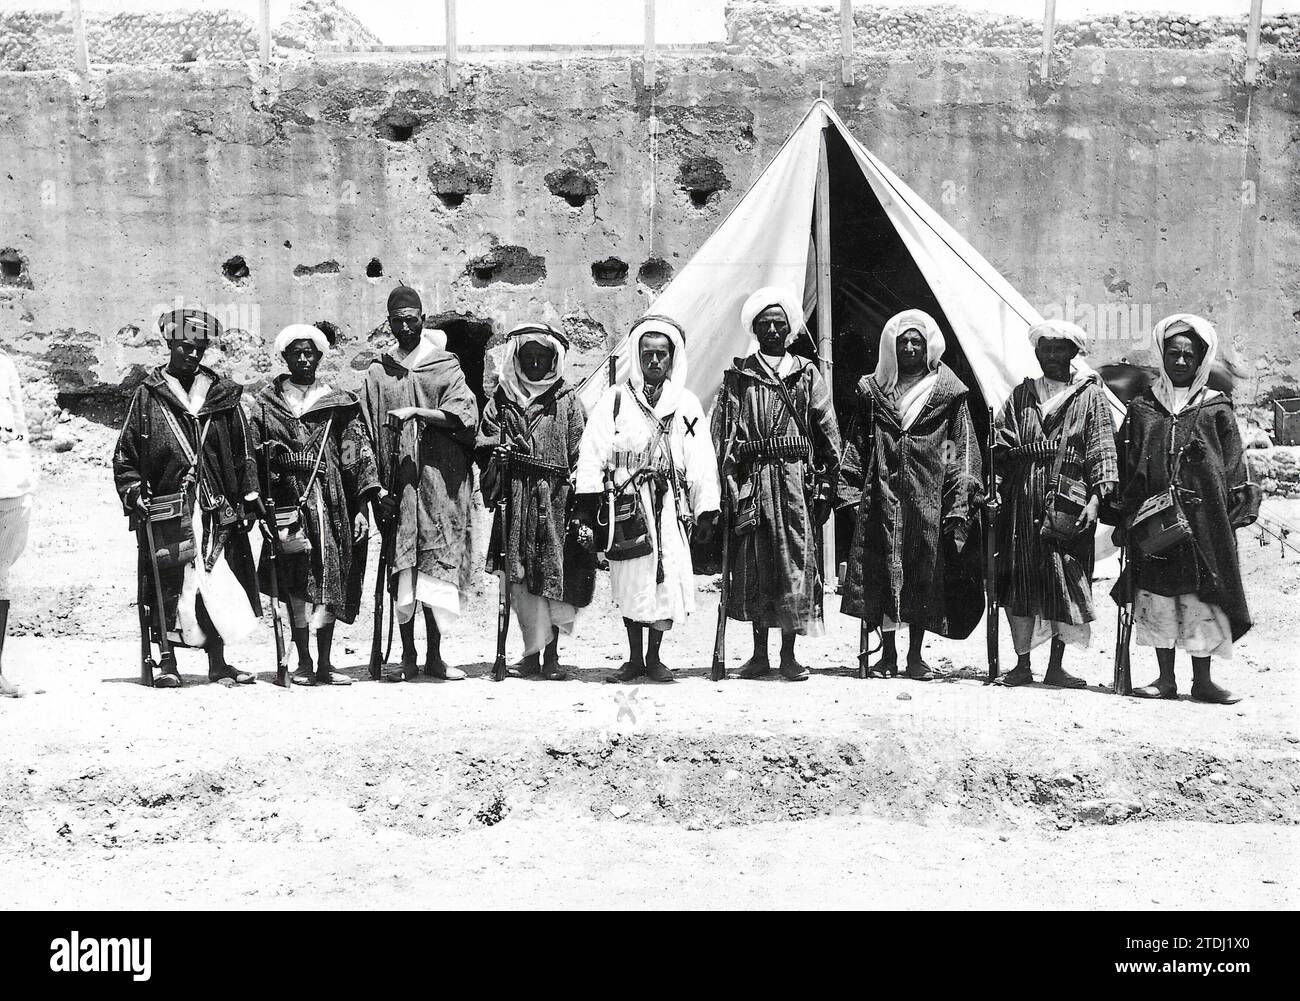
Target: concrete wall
(1131,185)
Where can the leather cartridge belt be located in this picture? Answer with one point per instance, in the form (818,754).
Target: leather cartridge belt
(1039,451)
(777,449)
(525,463)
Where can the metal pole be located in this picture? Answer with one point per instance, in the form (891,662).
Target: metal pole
(822,246)
(1049,29)
(846,42)
(453,60)
(1252,39)
(264,30)
(80,52)
(648,51)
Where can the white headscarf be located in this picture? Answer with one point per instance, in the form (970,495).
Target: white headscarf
(1062,330)
(301,332)
(886,373)
(1171,397)
(518,388)
(655,324)
(1052,394)
(772,295)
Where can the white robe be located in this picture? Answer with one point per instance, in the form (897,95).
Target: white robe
(632,582)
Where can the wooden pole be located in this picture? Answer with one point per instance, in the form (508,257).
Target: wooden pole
(264,31)
(453,58)
(80,51)
(648,50)
(1252,39)
(1049,29)
(822,246)
(846,42)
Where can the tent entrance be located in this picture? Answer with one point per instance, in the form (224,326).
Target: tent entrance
(872,277)
(859,256)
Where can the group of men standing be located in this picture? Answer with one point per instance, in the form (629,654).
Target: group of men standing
(644,476)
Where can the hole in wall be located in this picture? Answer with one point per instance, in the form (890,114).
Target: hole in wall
(13,269)
(655,273)
(702,178)
(398,126)
(331,331)
(467,339)
(323,268)
(375,269)
(511,265)
(610,271)
(573,186)
(236,270)
(454,182)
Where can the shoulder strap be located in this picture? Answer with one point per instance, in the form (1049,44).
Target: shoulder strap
(793,410)
(320,456)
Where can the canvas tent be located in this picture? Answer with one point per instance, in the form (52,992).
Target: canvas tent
(830,221)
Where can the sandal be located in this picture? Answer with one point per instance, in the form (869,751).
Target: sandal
(229,677)
(329,677)
(1155,691)
(303,676)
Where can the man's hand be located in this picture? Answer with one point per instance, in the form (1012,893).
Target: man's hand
(360,527)
(502,454)
(142,505)
(404,413)
(385,509)
(1087,519)
(706,527)
(956,529)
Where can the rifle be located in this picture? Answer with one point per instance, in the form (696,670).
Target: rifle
(991,506)
(1123,679)
(271,535)
(144,540)
(503,556)
(387,542)
(718,670)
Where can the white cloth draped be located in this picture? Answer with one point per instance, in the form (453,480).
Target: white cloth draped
(632,582)
(1171,397)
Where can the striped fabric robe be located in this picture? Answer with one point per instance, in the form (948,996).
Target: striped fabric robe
(1039,578)
(906,484)
(776,577)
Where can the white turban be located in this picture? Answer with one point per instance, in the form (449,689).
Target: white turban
(655,324)
(1061,330)
(301,332)
(517,388)
(886,374)
(1182,323)
(773,295)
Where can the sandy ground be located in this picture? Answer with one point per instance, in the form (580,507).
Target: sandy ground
(836,792)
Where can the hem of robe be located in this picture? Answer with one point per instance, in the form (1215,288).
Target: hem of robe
(1183,620)
(312,616)
(1030,631)
(224,599)
(537,615)
(774,620)
(413,587)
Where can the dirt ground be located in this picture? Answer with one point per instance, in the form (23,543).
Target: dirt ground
(836,792)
